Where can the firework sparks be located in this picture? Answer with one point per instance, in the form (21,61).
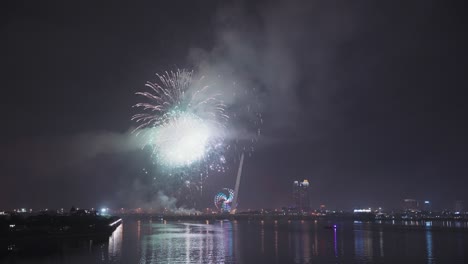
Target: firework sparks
(183,140)
(181,119)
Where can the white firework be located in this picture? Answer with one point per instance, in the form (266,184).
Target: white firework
(181,119)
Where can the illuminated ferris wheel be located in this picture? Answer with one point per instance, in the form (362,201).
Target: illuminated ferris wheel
(223,200)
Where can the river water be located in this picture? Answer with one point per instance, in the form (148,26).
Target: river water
(145,241)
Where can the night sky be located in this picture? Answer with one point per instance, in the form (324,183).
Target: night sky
(365,100)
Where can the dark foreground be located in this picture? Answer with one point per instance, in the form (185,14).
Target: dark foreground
(156,241)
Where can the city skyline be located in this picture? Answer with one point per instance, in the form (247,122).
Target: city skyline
(295,208)
(365,101)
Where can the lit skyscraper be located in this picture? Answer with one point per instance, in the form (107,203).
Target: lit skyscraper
(459,206)
(410,204)
(427,206)
(301,195)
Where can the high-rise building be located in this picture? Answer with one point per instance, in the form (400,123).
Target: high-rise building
(459,206)
(410,204)
(427,206)
(301,196)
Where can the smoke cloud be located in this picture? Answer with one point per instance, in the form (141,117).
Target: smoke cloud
(168,204)
(263,51)
(50,155)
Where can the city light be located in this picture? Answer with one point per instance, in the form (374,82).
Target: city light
(362,210)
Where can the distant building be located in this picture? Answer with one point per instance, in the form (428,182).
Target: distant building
(301,195)
(427,206)
(459,206)
(410,204)
(366,210)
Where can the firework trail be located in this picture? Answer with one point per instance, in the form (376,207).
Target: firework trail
(181,119)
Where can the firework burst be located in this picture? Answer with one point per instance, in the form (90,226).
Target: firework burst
(181,119)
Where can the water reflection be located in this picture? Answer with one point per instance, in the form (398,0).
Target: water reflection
(188,243)
(306,256)
(236,239)
(362,243)
(115,243)
(256,242)
(315,246)
(299,242)
(262,235)
(335,242)
(460,246)
(429,248)
(381,243)
(276,239)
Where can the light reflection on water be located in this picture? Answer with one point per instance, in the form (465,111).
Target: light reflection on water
(381,243)
(430,257)
(188,243)
(115,243)
(363,246)
(145,241)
